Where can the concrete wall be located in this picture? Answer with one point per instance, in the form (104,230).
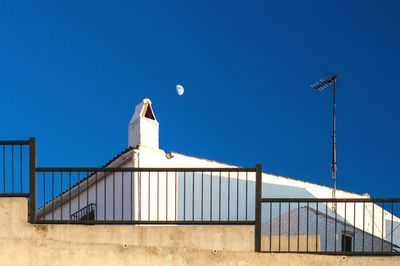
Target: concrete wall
(25,244)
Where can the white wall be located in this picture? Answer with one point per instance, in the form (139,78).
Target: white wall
(209,201)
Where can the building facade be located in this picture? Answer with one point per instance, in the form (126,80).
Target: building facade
(168,195)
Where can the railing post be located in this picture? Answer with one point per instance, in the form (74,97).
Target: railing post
(32,180)
(257,230)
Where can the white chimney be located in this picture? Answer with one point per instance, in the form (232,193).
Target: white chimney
(143,127)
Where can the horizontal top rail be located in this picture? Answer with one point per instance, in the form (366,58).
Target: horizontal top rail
(133,222)
(9,195)
(14,142)
(132,169)
(330,200)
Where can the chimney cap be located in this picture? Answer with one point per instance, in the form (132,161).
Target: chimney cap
(144,109)
(146,100)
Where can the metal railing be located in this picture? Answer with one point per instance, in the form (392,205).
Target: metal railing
(85,214)
(355,226)
(15,160)
(204,196)
(146,195)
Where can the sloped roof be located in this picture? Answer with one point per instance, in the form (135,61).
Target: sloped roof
(117,156)
(108,163)
(284,177)
(91,174)
(104,166)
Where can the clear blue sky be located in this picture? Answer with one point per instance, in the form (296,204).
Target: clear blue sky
(71,74)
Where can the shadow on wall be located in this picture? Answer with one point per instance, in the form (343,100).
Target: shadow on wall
(226,198)
(315,226)
(393,232)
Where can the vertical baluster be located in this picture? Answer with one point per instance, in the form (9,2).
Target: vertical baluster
(52,195)
(122,195)
(69,195)
(113,200)
(298,226)
(237,196)
(354,228)
(87,190)
(20,169)
(105,195)
(345,222)
(316,229)
(258,209)
(166,196)
(4,168)
(279,228)
(176,195)
(373,225)
(148,198)
(96,179)
(44,195)
(219,195)
(326,226)
(308,204)
(193,196)
(79,192)
(184,195)
(270,226)
(383,225)
(211,216)
(202,194)
(12,168)
(391,229)
(363,233)
(335,209)
(247,180)
(289,227)
(140,196)
(61,195)
(131,196)
(229,194)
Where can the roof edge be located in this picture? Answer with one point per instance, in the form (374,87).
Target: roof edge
(285,177)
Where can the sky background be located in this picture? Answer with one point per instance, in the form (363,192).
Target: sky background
(72,72)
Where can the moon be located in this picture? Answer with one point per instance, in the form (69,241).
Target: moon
(180,90)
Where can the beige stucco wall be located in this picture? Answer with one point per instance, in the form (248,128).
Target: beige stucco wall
(25,244)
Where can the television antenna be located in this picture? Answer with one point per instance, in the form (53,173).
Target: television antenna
(321,85)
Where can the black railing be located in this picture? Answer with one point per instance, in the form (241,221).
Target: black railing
(206,196)
(355,226)
(15,158)
(85,214)
(147,195)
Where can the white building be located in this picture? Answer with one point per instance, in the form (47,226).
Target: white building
(210,196)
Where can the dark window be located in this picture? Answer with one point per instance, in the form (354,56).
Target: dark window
(346,242)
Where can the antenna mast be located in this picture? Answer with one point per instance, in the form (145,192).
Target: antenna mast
(320,85)
(334,138)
